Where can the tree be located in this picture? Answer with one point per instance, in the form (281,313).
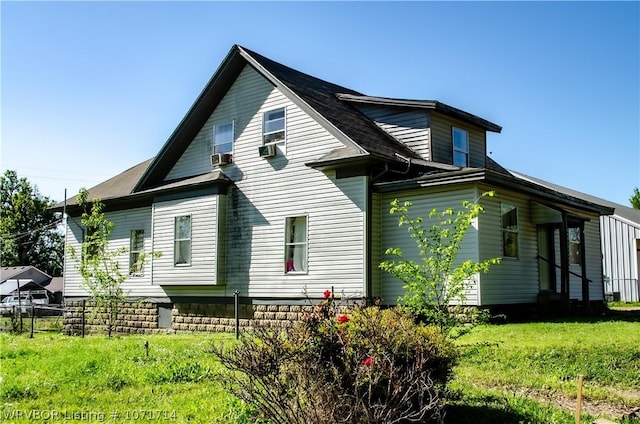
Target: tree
(436,282)
(99,266)
(28,228)
(635,199)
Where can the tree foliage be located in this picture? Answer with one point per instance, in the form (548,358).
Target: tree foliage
(28,228)
(635,199)
(98,265)
(436,282)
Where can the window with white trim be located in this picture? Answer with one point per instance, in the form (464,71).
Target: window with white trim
(509,214)
(136,252)
(296,245)
(460,147)
(223,136)
(182,241)
(273,126)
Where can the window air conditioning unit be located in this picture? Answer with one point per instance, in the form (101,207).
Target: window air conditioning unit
(220,159)
(267,150)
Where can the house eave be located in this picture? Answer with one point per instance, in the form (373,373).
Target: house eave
(496,179)
(146,197)
(424,104)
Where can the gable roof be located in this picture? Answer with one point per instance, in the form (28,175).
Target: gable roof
(324,101)
(329,104)
(24,271)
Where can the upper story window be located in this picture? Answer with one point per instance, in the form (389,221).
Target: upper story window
(273,126)
(223,138)
(182,240)
(460,147)
(296,244)
(509,215)
(136,251)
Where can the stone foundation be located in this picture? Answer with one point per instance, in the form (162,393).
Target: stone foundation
(143,318)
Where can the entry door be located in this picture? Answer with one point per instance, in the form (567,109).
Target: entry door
(546,258)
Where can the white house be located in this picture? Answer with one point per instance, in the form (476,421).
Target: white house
(276,182)
(620,241)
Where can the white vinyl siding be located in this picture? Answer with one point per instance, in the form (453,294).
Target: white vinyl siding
(411,127)
(267,191)
(442,141)
(202,213)
(124,223)
(394,236)
(514,280)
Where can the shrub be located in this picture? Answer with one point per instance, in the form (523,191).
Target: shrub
(358,366)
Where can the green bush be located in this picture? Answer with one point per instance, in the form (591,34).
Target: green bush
(343,365)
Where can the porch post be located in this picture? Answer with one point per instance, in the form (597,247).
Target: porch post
(583,264)
(564,264)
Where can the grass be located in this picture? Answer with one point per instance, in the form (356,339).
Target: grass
(624,305)
(114,379)
(511,373)
(510,366)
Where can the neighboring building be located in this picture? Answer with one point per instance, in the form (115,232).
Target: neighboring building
(25,279)
(620,234)
(277,183)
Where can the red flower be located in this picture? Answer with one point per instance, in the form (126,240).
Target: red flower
(342,319)
(327,294)
(368,361)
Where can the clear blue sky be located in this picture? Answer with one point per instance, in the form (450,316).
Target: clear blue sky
(90,89)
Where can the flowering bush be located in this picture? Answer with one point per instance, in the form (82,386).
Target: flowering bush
(365,366)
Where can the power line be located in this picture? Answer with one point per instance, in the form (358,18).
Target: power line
(26,233)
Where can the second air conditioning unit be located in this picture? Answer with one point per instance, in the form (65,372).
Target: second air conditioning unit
(267,150)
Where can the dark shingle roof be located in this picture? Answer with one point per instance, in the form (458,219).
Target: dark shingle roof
(324,101)
(424,104)
(324,98)
(121,187)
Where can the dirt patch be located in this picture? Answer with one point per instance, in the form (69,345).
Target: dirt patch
(598,408)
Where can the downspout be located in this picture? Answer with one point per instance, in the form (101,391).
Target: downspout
(368,295)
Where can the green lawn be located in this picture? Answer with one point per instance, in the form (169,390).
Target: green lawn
(507,365)
(514,373)
(114,379)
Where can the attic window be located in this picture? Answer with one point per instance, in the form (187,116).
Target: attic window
(223,138)
(273,126)
(460,147)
